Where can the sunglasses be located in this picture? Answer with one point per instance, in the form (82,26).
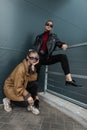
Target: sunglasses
(33,58)
(50,25)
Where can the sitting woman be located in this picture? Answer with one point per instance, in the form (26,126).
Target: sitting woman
(20,87)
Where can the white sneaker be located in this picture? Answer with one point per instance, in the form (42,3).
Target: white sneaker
(33,109)
(6,103)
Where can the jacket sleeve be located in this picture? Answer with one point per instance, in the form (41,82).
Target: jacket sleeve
(58,42)
(37,43)
(19,88)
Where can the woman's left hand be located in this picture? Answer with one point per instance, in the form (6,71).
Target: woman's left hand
(64,46)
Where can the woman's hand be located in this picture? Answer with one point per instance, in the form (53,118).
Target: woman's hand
(64,46)
(33,65)
(30,100)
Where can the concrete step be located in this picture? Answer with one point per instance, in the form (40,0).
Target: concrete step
(72,110)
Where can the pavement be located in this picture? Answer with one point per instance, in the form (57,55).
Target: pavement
(49,118)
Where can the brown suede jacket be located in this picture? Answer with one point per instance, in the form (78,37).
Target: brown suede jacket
(15,85)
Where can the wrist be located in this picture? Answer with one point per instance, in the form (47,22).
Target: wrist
(33,68)
(27,96)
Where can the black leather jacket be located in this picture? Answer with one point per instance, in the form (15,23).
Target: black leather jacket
(52,42)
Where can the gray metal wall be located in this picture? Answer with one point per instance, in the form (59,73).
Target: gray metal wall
(78,66)
(22,20)
(72,28)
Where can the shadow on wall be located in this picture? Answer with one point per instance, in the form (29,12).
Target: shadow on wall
(13,57)
(52,3)
(28,43)
(8,68)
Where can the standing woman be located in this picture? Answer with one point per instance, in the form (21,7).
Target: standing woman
(45,44)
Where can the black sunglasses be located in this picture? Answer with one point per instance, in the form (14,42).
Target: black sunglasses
(50,25)
(33,58)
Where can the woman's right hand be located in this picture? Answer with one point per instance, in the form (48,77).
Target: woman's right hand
(30,100)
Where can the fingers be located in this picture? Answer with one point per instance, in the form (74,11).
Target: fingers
(36,62)
(30,100)
(64,46)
